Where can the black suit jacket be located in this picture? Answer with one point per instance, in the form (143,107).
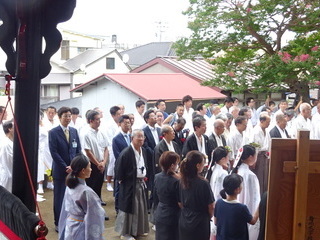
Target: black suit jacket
(61,151)
(274,133)
(213,142)
(126,172)
(118,144)
(160,148)
(191,144)
(149,142)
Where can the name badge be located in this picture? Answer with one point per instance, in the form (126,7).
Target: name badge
(74,143)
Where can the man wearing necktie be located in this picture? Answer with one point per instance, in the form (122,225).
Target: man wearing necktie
(120,141)
(64,145)
(152,138)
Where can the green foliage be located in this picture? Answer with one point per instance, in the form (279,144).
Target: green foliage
(248,42)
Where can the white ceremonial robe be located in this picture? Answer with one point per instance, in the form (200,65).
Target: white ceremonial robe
(6,163)
(236,140)
(82,217)
(300,123)
(315,126)
(112,130)
(187,115)
(139,122)
(258,136)
(250,196)
(216,181)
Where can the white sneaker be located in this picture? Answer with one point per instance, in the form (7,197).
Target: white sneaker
(40,198)
(127,237)
(154,228)
(40,188)
(109,187)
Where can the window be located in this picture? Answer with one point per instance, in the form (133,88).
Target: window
(110,63)
(65,49)
(51,90)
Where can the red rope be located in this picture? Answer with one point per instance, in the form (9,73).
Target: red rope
(41,224)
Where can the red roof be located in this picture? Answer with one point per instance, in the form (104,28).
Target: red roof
(153,86)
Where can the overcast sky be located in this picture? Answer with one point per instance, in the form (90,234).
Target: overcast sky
(133,21)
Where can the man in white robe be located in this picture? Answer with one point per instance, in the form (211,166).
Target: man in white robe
(315,124)
(302,121)
(50,120)
(139,122)
(261,137)
(6,156)
(237,139)
(187,113)
(3,117)
(112,131)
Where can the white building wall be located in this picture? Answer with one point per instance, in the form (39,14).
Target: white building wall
(105,94)
(98,68)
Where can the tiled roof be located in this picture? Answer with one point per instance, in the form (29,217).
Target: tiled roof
(142,54)
(153,86)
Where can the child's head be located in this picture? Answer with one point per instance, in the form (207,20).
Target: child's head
(220,156)
(231,185)
(248,156)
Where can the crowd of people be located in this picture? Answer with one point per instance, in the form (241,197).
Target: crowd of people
(193,174)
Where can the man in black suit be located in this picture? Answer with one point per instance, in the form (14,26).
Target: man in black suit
(180,134)
(197,140)
(152,138)
(279,131)
(216,139)
(120,141)
(64,145)
(131,172)
(166,144)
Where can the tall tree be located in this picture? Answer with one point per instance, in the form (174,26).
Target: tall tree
(257,45)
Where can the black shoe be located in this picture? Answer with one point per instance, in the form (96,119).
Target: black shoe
(106,218)
(103,203)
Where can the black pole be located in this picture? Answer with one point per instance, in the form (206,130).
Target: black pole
(27,102)
(28,22)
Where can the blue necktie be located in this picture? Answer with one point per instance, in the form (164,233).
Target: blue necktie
(126,137)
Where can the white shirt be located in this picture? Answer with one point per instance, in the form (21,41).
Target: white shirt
(300,123)
(154,134)
(49,125)
(187,115)
(260,137)
(254,116)
(6,163)
(315,126)
(96,141)
(141,169)
(216,181)
(224,109)
(139,122)
(236,140)
(78,124)
(218,140)
(169,145)
(282,132)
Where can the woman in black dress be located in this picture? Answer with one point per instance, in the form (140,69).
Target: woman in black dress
(196,199)
(167,192)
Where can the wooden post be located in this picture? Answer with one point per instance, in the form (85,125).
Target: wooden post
(301,186)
